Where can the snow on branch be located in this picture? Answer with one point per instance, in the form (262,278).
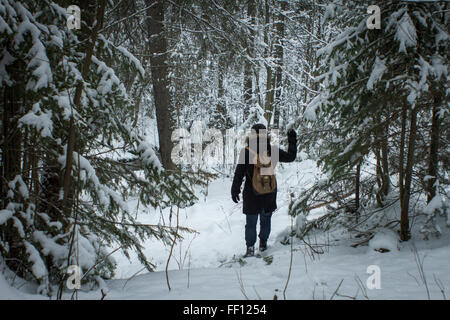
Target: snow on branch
(38,119)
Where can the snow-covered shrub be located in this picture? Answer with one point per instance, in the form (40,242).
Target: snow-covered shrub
(435,208)
(382,99)
(384,240)
(54,91)
(300,224)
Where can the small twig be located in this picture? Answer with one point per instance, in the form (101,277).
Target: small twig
(171,248)
(103,294)
(104,258)
(412,276)
(420,267)
(137,207)
(311,247)
(189,270)
(337,289)
(304,259)
(345,296)
(226,218)
(290,260)
(158,226)
(188,250)
(257,294)
(362,287)
(440,286)
(161,228)
(241,284)
(135,274)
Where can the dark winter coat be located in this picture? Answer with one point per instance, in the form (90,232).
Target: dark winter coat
(252,203)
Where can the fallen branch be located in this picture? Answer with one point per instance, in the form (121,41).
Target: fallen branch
(328,202)
(337,289)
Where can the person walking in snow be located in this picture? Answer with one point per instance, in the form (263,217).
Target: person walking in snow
(260,191)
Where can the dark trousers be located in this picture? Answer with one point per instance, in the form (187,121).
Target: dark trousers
(250,227)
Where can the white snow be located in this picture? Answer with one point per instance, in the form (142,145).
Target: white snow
(49,246)
(38,268)
(23,190)
(109,79)
(6,60)
(434,204)
(104,193)
(384,239)
(137,64)
(201,267)
(405,33)
(300,223)
(42,121)
(377,72)
(39,63)
(5,214)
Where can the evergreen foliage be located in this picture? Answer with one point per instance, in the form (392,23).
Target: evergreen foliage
(42,67)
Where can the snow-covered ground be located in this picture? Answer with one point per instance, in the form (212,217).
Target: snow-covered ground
(202,265)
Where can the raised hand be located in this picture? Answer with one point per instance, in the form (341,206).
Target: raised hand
(292,136)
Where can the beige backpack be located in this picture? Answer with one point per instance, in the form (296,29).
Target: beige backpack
(263,180)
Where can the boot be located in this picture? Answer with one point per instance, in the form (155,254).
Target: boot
(262,245)
(250,252)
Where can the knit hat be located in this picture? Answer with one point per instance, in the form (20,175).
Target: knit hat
(259,126)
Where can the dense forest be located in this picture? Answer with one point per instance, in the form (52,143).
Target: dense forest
(92,110)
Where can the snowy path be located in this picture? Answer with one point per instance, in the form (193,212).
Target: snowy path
(316,280)
(221,226)
(194,271)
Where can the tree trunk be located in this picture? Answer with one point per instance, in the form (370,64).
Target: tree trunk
(67,203)
(35,156)
(357,185)
(12,138)
(279,62)
(382,167)
(248,89)
(11,157)
(222,120)
(160,79)
(404,220)
(139,92)
(378,174)
(386,180)
(434,147)
(268,105)
(13,109)
(248,70)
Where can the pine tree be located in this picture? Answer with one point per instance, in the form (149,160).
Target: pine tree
(374,78)
(67,205)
